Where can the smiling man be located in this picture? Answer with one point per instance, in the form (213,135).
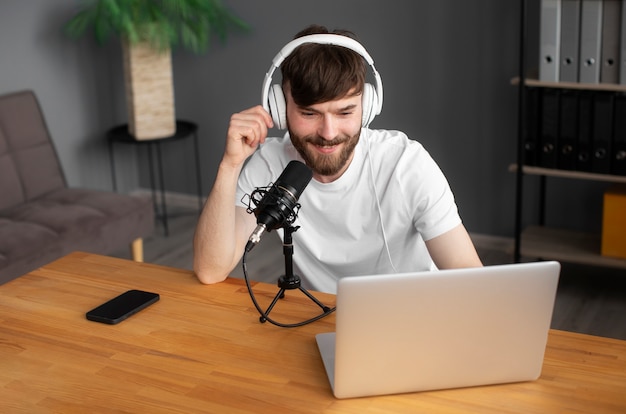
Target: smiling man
(377,203)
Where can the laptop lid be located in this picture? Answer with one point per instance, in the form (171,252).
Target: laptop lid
(434,330)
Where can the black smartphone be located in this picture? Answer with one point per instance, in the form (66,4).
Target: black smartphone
(122,306)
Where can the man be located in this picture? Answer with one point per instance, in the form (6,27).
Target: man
(377,202)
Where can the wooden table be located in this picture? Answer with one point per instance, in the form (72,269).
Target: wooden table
(202,349)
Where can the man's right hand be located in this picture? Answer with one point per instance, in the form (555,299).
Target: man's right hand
(246,131)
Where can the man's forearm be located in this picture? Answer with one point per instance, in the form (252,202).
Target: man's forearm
(216,250)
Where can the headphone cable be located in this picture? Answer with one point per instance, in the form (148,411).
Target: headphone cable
(380,213)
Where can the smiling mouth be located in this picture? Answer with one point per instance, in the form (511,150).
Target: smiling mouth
(327,145)
(326,148)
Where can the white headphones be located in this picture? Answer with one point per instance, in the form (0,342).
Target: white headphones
(273,98)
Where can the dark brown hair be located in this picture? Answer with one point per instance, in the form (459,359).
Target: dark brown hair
(316,73)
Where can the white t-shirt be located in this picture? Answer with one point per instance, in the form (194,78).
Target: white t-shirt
(392,183)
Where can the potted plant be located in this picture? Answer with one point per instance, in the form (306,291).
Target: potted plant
(148,29)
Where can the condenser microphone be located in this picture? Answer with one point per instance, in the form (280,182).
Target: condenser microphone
(277,204)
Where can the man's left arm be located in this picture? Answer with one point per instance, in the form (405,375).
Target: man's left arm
(453,249)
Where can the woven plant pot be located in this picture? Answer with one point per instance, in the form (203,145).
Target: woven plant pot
(149,92)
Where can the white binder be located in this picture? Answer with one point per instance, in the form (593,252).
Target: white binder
(550,33)
(611,16)
(590,41)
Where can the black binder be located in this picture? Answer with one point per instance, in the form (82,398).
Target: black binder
(618,153)
(585,112)
(549,128)
(568,130)
(531,126)
(602,134)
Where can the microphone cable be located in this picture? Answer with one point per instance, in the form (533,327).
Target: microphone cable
(264,315)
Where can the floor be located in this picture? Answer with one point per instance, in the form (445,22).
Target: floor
(589,300)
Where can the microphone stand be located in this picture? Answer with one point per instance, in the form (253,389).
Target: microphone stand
(289,281)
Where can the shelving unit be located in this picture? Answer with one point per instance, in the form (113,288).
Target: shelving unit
(540,241)
(561,244)
(578,175)
(571,85)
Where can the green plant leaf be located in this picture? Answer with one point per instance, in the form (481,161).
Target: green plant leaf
(161,23)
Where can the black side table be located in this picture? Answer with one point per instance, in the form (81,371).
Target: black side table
(184,129)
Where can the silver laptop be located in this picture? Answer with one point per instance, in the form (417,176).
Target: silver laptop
(435,330)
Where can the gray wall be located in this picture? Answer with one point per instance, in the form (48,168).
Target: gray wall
(446,68)
(75,82)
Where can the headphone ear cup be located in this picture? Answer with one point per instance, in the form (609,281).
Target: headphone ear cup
(370,103)
(278,107)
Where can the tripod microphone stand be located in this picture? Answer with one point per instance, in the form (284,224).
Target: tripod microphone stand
(288,281)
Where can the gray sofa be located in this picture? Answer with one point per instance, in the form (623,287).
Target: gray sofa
(41,219)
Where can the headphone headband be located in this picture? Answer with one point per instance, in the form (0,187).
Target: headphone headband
(322,39)
(326,39)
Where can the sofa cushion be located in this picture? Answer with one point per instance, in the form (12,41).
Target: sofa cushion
(29,166)
(12,192)
(66,220)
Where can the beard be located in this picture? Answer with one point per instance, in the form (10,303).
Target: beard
(325,164)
